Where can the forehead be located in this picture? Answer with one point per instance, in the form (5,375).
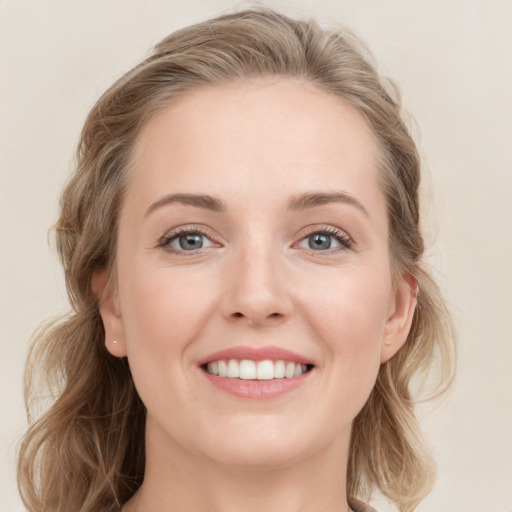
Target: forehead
(261,135)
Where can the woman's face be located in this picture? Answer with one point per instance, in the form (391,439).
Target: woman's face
(253,229)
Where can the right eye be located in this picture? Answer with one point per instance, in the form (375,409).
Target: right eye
(185,241)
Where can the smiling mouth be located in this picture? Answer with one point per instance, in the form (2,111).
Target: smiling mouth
(247,369)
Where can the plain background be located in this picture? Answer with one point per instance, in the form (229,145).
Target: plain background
(452,60)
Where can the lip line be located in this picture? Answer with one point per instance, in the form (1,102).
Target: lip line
(256,354)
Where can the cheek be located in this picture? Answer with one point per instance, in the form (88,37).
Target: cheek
(163,306)
(162,316)
(349,317)
(353,307)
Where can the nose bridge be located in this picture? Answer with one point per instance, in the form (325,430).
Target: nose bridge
(257,289)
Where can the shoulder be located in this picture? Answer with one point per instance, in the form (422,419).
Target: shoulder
(359,506)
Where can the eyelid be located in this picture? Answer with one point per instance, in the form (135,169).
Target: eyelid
(344,239)
(173,234)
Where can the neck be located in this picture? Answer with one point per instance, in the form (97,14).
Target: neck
(178,480)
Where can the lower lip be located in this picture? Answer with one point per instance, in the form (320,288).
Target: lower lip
(256,389)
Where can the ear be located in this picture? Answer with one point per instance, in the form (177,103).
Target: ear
(109,312)
(398,324)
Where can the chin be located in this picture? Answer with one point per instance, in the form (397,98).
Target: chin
(261,448)
(259,458)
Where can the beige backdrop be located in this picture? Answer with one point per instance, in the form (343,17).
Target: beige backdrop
(453,62)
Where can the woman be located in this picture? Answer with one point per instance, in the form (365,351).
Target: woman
(243,256)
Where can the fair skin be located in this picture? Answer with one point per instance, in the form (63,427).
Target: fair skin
(313,279)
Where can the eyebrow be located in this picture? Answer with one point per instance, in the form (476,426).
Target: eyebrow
(295,203)
(312,199)
(197,200)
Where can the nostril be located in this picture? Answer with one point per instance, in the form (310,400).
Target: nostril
(255,318)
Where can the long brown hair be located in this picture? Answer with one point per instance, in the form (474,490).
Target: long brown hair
(86,452)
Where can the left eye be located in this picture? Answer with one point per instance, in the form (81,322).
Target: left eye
(323,241)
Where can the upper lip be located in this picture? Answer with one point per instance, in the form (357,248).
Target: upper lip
(256,354)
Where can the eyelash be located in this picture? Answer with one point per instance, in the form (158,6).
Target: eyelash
(340,236)
(165,241)
(345,242)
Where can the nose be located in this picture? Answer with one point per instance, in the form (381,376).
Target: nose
(256,291)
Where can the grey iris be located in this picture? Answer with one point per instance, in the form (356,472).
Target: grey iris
(319,241)
(191,241)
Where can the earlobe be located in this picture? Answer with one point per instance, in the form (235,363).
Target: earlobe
(108,305)
(399,322)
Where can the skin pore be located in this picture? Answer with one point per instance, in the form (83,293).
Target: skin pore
(252,218)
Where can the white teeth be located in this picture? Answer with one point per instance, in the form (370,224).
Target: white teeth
(247,369)
(213,368)
(265,370)
(290,370)
(222,368)
(233,369)
(279,368)
(252,370)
